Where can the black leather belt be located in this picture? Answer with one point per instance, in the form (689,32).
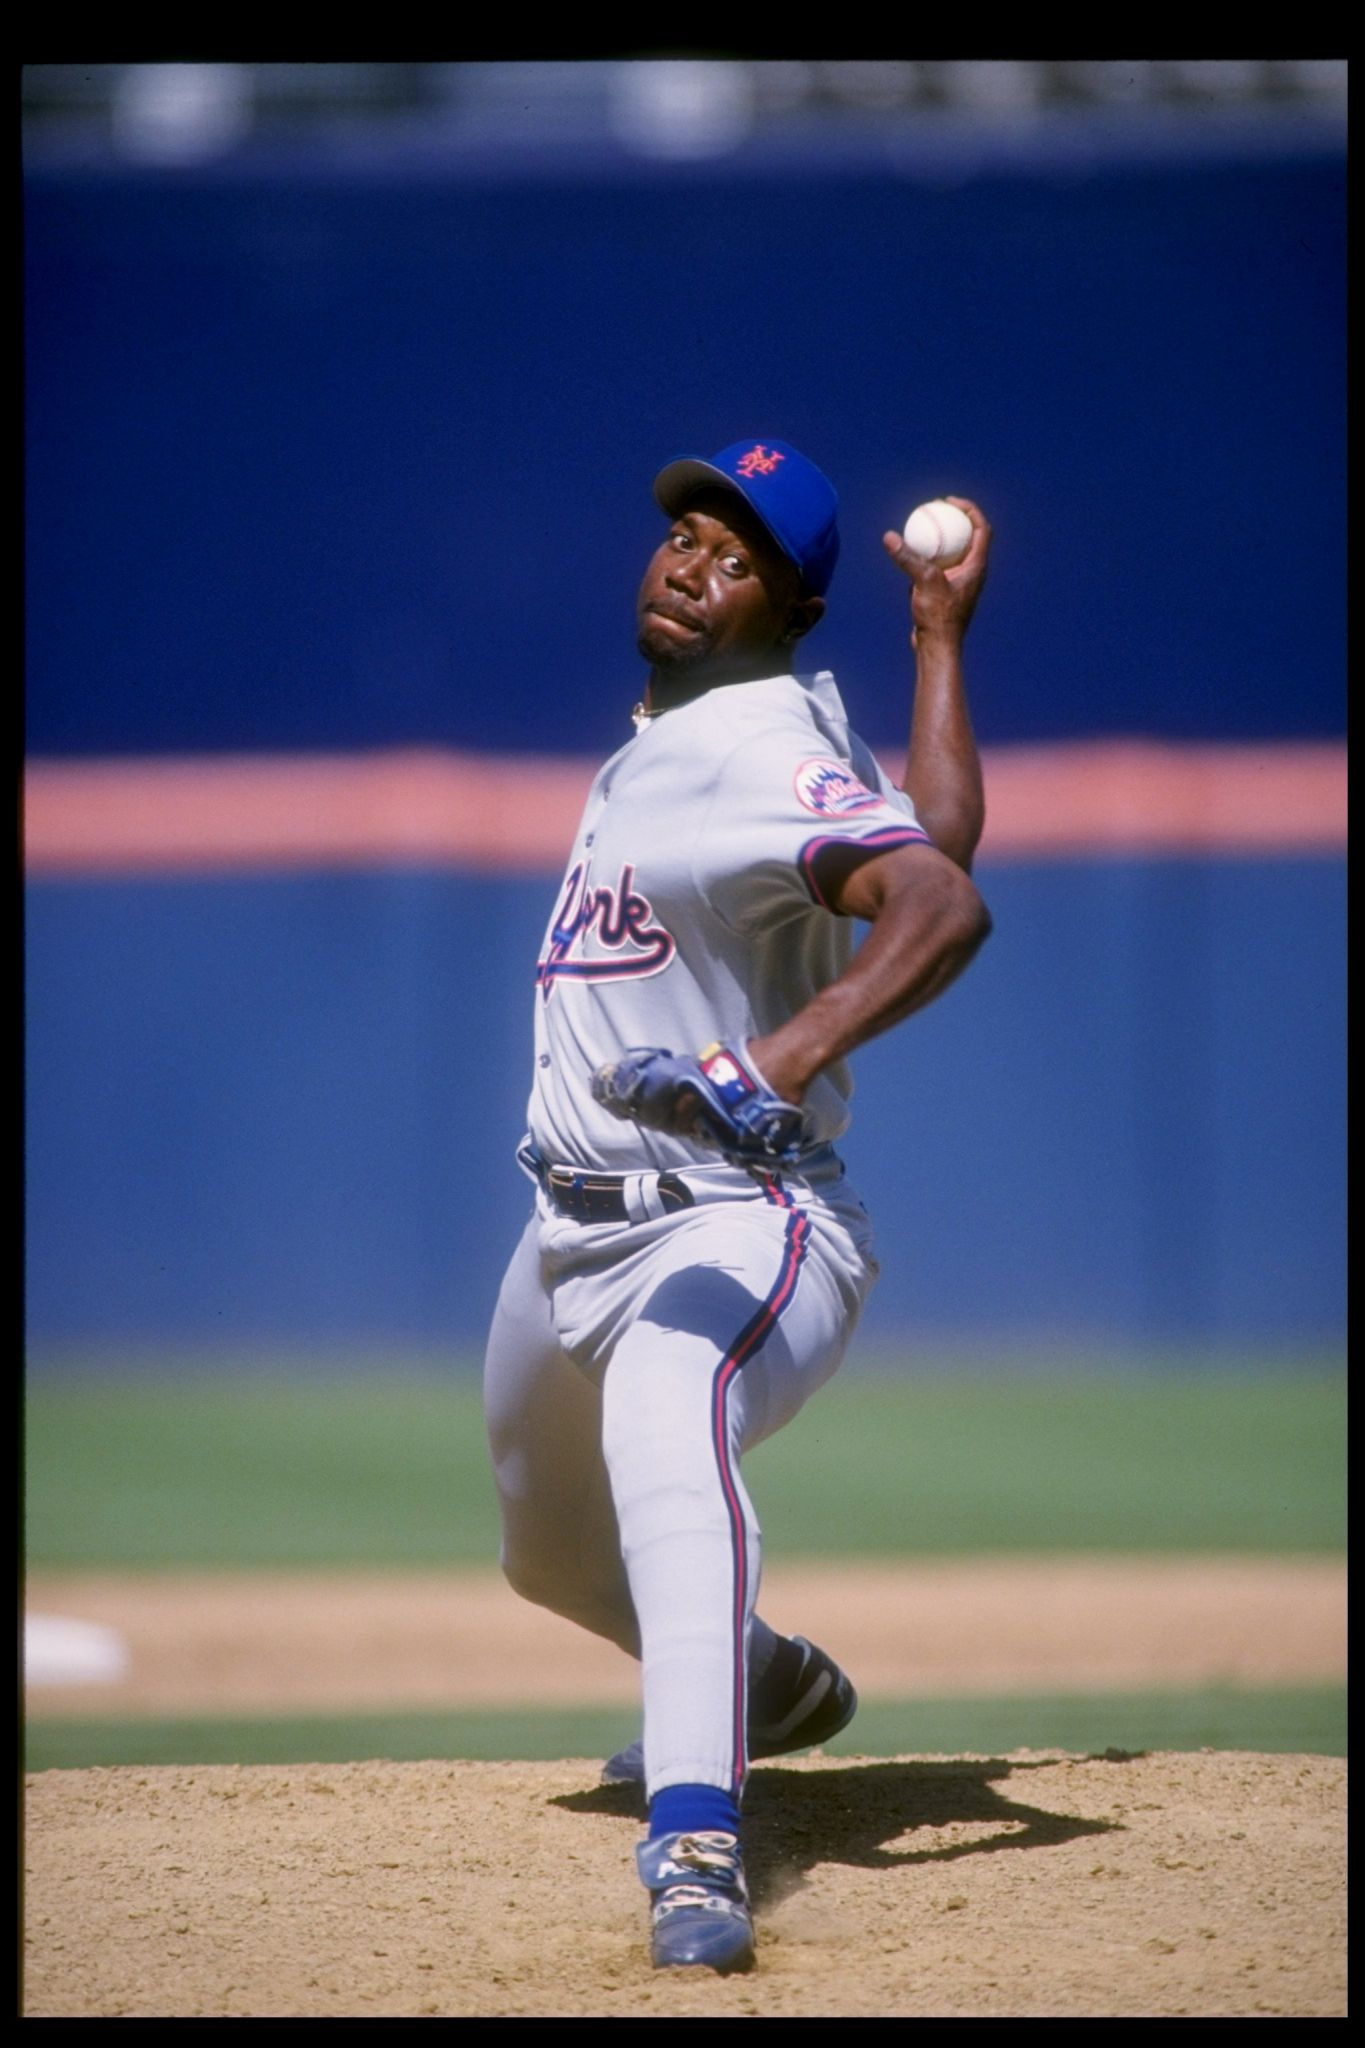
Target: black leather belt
(601,1197)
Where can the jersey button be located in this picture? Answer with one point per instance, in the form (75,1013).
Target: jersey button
(544,1059)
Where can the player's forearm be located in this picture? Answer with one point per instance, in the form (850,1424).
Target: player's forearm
(943,769)
(920,942)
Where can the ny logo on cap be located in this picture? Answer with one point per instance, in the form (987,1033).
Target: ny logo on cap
(758,461)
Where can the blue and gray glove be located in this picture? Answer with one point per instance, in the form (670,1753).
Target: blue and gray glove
(716,1096)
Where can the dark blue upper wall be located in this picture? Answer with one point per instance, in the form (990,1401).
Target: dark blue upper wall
(361,455)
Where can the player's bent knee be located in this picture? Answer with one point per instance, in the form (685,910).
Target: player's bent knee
(529,1580)
(602,1610)
(547,1590)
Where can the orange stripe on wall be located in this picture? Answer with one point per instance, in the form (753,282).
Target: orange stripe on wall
(516,814)
(510,814)
(1140,796)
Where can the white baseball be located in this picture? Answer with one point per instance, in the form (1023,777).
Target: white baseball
(938,532)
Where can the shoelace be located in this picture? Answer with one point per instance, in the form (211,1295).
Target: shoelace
(696,1896)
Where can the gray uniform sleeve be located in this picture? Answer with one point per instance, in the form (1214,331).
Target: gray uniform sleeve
(777,805)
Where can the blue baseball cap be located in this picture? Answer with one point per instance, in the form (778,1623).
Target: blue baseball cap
(795,500)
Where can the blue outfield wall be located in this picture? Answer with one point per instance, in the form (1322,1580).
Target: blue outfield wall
(282,1111)
(352,453)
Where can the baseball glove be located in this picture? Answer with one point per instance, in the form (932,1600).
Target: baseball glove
(715,1096)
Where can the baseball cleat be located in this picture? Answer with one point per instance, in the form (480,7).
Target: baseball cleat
(822,1702)
(627,1767)
(699,1901)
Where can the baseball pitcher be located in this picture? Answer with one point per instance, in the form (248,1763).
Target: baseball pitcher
(696,1260)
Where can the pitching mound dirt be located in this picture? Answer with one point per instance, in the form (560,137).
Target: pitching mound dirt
(1036,1884)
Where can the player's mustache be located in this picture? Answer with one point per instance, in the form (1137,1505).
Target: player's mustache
(668,608)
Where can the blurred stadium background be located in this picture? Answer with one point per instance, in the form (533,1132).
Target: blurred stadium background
(344,387)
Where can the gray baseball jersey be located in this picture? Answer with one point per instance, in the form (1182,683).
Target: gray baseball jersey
(691,908)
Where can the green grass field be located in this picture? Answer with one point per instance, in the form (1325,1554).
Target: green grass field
(1308,1720)
(273,1470)
(255,1470)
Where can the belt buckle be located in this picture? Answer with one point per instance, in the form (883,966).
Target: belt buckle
(565,1189)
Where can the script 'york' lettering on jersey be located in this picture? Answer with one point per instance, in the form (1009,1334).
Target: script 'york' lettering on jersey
(620,920)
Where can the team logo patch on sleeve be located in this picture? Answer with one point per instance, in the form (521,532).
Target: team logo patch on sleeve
(832,790)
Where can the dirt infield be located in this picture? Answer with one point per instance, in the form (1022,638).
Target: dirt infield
(1034,1885)
(292,1643)
(1160,1885)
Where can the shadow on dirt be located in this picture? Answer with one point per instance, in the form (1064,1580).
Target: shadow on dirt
(794,1820)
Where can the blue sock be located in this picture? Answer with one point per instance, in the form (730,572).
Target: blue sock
(692,1810)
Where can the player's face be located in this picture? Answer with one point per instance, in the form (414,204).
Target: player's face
(718,594)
